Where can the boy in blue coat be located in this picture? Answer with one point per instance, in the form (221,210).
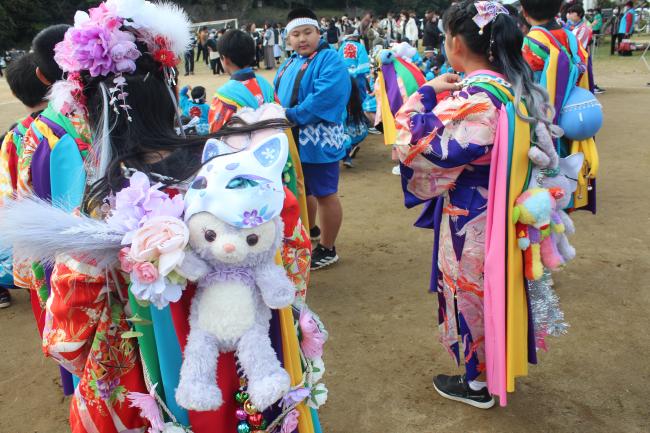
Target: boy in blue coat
(313,85)
(195,105)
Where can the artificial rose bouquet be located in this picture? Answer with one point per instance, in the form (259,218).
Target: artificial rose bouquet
(155,240)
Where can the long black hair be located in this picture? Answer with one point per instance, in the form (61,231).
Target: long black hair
(500,43)
(355,107)
(149,141)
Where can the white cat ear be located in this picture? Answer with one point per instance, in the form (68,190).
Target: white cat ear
(215,147)
(572,164)
(273,152)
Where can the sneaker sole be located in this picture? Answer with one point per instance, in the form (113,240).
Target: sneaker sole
(5,305)
(354,151)
(328,263)
(473,403)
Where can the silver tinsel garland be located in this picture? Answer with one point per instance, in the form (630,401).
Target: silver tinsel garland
(548,319)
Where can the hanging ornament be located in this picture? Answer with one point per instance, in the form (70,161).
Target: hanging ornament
(548,318)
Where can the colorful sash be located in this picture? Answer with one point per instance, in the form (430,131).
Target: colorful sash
(505,301)
(396,82)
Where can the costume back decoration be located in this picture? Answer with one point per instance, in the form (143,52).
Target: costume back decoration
(397,79)
(565,73)
(224,233)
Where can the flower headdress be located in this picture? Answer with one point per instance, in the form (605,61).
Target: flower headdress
(487,11)
(103,43)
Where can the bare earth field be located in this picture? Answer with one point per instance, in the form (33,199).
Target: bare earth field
(383,349)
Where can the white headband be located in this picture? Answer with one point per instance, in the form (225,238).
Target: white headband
(301,22)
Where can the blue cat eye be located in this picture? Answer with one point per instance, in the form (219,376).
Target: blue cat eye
(241,183)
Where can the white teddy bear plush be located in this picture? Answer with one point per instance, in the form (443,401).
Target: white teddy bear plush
(233,214)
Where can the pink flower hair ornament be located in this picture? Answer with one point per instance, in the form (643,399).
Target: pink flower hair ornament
(103,42)
(487,11)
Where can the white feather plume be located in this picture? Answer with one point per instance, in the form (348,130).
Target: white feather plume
(168,20)
(41,231)
(61,96)
(160,18)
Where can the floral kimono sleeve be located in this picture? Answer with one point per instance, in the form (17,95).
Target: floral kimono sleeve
(436,143)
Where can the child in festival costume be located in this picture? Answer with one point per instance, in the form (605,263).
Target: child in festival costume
(576,23)
(467,158)
(356,126)
(245,88)
(193,106)
(355,57)
(88,331)
(30,91)
(314,87)
(560,63)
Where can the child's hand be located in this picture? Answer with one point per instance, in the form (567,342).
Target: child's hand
(445,82)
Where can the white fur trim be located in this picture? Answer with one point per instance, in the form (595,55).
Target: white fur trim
(301,22)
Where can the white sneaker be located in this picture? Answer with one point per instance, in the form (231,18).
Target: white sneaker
(396,171)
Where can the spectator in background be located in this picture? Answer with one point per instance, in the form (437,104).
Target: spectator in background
(268,41)
(364,26)
(346,26)
(333,35)
(277,51)
(215,61)
(626,26)
(257,41)
(597,23)
(409,28)
(389,26)
(188,58)
(324,25)
(612,28)
(374,35)
(431,33)
(201,44)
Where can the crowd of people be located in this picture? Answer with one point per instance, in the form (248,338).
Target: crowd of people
(468,119)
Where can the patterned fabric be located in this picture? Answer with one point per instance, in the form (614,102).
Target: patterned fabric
(445,152)
(84,328)
(12,147)
(328,135)
(296,247)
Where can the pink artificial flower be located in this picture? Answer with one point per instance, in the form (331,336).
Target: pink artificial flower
(145,272)
(312,338)
(290,422)
(160,238)
(125,259)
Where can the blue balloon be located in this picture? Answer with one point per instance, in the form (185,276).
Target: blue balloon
(582,115)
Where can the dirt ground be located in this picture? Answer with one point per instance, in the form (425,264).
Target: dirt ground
(383,348)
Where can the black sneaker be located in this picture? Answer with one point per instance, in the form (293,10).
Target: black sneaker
(314,234)
(322,257)
(5,298)
(456,388)
(354,151)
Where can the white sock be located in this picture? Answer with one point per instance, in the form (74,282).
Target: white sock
(477,385)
